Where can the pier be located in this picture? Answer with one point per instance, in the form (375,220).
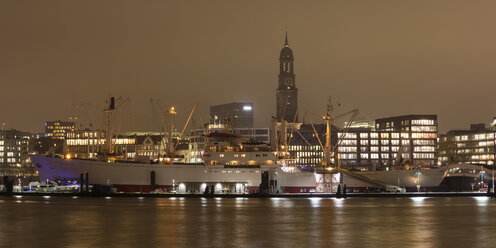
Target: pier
(286,195)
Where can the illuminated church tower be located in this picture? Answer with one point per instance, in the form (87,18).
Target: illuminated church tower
(287,102)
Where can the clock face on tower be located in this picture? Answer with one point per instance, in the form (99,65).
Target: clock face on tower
(288,82)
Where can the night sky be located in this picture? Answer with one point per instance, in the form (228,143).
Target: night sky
(384,57)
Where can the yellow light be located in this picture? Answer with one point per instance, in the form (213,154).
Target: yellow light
(68,156)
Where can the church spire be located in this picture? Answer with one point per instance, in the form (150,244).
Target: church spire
(286,44)
(287,93)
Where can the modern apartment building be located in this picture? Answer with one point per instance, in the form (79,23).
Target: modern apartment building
(475,146)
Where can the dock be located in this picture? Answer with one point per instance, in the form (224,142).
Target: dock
(287,195)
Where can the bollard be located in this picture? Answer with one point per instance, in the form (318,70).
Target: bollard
(81,183)
(338,194)
(87,183)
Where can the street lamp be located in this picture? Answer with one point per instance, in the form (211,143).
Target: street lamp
(418,174)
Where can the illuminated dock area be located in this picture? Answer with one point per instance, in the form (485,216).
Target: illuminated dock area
(286,195)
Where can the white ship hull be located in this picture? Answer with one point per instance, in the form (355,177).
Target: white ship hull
(428,178)
(137,177)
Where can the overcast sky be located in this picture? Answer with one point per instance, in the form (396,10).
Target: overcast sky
(384,57)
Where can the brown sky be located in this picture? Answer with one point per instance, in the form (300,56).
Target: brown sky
(384,57)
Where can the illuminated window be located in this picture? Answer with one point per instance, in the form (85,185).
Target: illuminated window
(422,122)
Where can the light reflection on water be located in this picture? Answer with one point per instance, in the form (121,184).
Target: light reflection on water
(418,201)
(247,222)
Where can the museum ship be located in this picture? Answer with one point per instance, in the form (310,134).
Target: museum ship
(232,164)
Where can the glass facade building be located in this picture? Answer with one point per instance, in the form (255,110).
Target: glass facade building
(236,115)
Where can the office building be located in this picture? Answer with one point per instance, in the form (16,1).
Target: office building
(305,144)
(58,129)
(89,144)
(475,146)
(14,148)
(234,115)
(408,139)
(137,146)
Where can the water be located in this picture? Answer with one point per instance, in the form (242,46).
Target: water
(178,222)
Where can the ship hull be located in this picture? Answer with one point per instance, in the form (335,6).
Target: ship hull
(187,178)
(193,178)
(429,178)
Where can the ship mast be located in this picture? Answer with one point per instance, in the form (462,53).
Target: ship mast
(326,160)
(170,146)
(108,130)
(113,106)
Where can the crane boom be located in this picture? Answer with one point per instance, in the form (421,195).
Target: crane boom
(185,125)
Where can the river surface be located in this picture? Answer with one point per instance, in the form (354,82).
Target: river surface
(32,221)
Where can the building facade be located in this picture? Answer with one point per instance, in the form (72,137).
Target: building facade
(475,146)
(134,146)
(305,147)
(52,141)
(58,129)
(287,93)
(14,148)
(89,144)
(149,147)
(408,139)
(48,145)
(235,114)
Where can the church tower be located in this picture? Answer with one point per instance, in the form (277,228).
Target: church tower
(287,102)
